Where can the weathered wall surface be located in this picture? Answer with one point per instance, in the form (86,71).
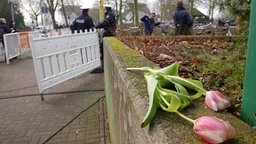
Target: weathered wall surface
(127,104)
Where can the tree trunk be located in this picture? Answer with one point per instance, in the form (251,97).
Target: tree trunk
(136,13)
(120,12)
(52,4)
(191,5)
(210,5)
(53,19)
(64,12)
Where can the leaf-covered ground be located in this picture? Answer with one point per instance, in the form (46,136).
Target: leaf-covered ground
(215,61)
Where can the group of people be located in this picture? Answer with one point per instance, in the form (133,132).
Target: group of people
(84,22)
(4,28)
(182,20)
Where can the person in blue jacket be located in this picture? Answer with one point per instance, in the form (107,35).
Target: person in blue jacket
(149,23)
(182,20)
(83,22)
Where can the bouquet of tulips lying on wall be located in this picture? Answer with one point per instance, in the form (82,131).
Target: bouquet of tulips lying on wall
(172,93)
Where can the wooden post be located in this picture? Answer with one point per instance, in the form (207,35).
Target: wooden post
(248,108)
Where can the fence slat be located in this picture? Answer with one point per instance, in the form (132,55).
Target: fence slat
(62,63)
(55,65)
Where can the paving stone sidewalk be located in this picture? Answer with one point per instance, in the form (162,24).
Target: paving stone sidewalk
(73,112)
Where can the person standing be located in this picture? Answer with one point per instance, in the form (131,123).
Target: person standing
(83,22)
(3,29)
(182,20)
(109,25)
(149,24)
(109,22)
(12,26)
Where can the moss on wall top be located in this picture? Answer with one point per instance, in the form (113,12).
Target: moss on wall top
(129,58)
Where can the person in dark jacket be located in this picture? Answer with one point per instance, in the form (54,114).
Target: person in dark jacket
(83,22)
(3,29)
(182,20)
(149,24)
(109,22)
(109,25)
(12,25)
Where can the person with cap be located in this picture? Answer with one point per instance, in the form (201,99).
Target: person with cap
(83,22)
(149,23)
(109,22)
(182,20)
(109,25)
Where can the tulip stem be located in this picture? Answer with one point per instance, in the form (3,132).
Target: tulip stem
(185,117)
(144,69)
(136,69)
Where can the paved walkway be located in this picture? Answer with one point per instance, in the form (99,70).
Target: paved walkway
(72,113)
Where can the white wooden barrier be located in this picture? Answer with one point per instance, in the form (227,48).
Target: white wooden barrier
(59,58)
(12,46)
(14,42)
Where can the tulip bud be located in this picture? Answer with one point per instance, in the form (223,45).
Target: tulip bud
(213,130)
(215,101)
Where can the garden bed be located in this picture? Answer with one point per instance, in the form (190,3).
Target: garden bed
(215,61)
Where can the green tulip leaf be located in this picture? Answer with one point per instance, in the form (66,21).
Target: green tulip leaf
(151,86)
(172,69)
(189,83)
(185,99)
(180,88)
(174,104)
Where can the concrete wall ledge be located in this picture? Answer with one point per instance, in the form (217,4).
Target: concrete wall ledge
(127,104)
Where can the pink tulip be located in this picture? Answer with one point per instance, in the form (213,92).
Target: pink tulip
(215,101)
(213,130)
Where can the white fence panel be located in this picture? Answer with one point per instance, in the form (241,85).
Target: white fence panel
(12,46)
(57,59)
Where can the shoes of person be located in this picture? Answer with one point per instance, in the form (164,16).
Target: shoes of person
(98,70)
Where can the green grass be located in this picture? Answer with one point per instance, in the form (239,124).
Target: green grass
(225,73)
(222,70)
(229,68)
